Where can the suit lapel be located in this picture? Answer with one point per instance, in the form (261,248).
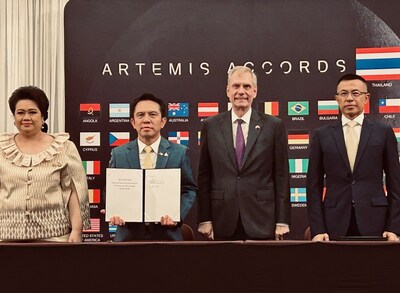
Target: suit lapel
(226,127)
(133,155)
(255,129)
(163,154)
(366,131)
(337,130)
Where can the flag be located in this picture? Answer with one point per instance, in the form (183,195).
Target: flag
(198,137)
(112,228)
(89,110)
(298,137)
(92,167)
(397,133)
(298,165)
(94,226)
(119,110)
(270,108)
(389,105)
(298,194)
(298,108)
(118,138)
(94,195)
(378,63)
(366,107)
(330,107)
(180,137)
(90,139)
(178,109)
(207,109)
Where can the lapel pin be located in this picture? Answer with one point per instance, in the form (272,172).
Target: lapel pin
(257,127)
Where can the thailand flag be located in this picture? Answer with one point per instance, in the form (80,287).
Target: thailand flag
(378,63)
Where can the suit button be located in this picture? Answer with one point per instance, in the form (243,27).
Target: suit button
(238,177)
(354,182)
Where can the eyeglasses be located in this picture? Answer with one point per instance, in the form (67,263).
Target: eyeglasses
(354,94)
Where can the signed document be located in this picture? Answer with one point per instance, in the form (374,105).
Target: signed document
(138,195)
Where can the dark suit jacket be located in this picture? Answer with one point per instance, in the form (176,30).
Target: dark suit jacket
(259,191)
(127,156)
(377,152)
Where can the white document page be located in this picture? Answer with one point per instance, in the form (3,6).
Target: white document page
(124,194)
(162,194)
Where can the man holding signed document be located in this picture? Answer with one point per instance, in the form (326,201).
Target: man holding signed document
(167,194)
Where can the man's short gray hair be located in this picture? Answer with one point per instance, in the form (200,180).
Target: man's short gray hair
(242,69)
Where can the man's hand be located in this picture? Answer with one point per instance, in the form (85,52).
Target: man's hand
(280,230)
(167,221)
(114,220)
(321,237)
(206,229)
(390,236)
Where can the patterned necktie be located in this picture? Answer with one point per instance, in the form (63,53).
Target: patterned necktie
(239,143)
(148,163)
(351,143)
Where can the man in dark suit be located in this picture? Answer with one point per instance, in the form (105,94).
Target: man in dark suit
(243,169)
(148,117)
(352,154)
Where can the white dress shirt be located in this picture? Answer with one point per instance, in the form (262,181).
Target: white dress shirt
(245,125)
(153,154)
(359,119)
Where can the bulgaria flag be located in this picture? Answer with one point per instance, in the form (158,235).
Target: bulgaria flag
(330,107)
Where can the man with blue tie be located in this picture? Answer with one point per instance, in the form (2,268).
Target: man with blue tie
(351,156)
(151,150)
(243,169)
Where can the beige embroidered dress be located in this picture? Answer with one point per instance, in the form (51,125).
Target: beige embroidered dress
(35,189)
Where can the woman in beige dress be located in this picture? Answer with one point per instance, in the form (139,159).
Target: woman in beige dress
(43,186)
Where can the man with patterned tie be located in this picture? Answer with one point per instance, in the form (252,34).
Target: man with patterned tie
(151,150)
(351,156)
(243,169)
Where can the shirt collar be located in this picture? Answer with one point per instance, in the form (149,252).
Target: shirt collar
(359,119)
(246,117)
(155,145)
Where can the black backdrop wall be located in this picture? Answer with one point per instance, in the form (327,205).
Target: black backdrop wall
(181,51)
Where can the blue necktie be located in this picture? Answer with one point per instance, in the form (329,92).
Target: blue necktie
(239,143)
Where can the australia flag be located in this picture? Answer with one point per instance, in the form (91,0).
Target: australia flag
(178,109)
